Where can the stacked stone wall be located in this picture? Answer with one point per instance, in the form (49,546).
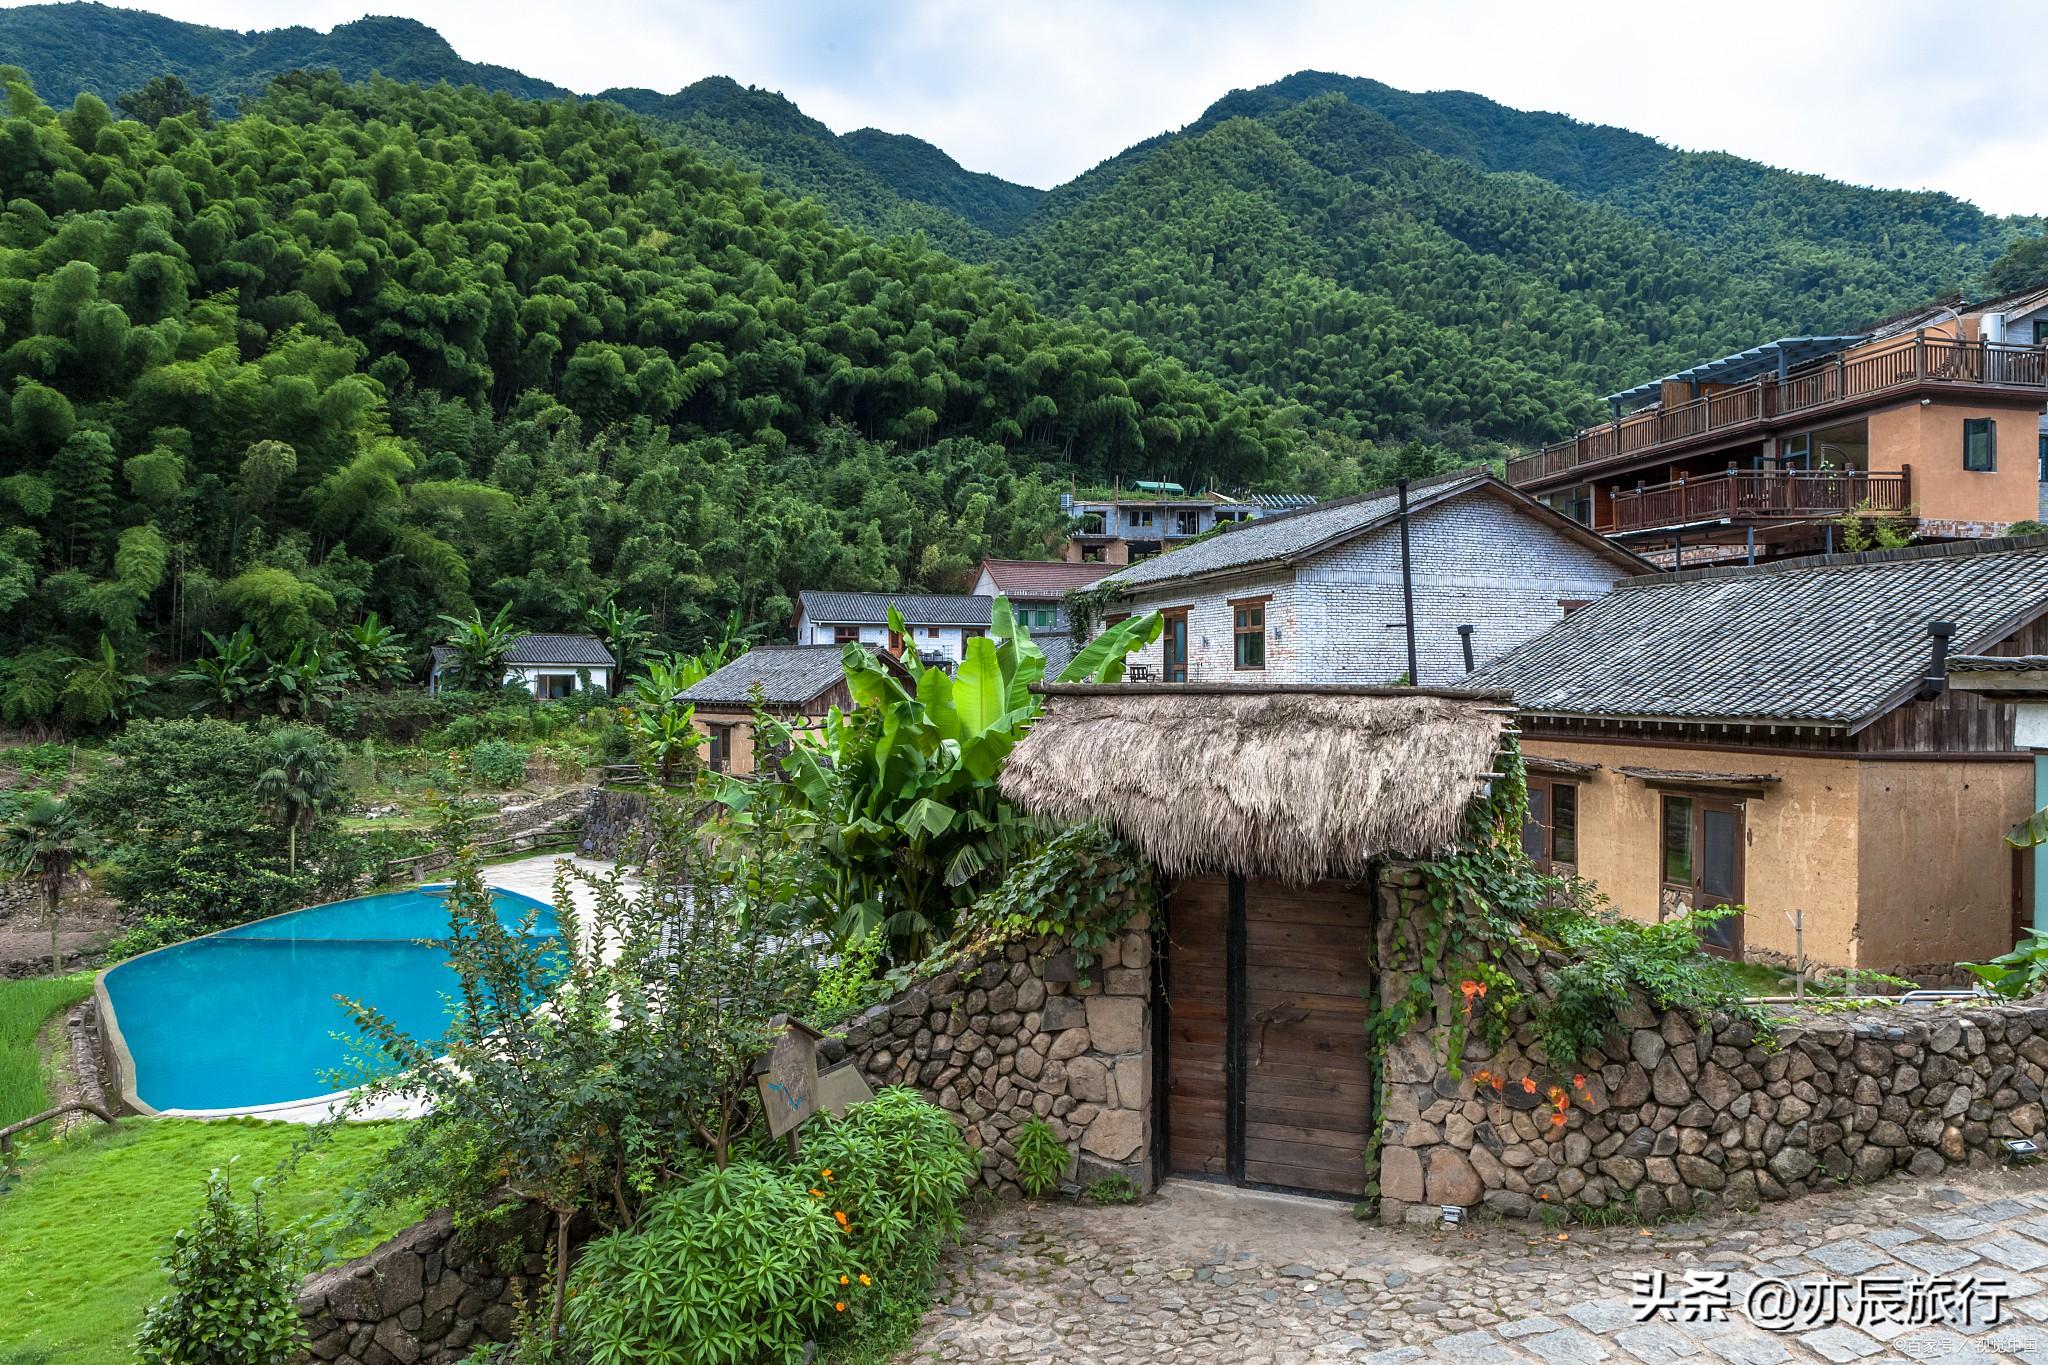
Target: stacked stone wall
(1674,1113)
(425,1297)
(1016,1034)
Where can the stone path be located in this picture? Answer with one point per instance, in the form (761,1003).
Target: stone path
(1205,1273)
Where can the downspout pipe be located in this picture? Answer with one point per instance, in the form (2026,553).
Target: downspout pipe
(1407,584)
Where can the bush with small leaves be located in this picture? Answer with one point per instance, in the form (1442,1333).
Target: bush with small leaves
(234,1289)
(1041,1158)
(498,763)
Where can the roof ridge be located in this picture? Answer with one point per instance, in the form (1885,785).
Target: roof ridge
(1856,559)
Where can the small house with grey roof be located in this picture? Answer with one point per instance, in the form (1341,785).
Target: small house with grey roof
(797,684)
(550,666)
(1783,738)
(936,625)
(1317,595)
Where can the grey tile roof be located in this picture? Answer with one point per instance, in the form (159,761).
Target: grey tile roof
(1997,663)
(1835,641)
(582,650)
(1058,647)
(872,608)
(1285,536)
(788,675)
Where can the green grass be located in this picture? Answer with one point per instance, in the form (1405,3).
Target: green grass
(83,1231)
(24,1007)
(1757,978)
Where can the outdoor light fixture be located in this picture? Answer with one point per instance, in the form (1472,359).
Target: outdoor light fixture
(2018,1150)
(1454,1215)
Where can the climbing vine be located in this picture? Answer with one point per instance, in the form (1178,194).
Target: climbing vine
(1082,886)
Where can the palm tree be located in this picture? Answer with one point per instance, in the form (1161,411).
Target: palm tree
(480,647)
(40,845)
(298,781)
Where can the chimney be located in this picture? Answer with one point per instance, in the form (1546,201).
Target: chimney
(1465,639)
(1936,681)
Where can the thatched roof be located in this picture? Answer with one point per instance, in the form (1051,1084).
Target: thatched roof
(1298,783)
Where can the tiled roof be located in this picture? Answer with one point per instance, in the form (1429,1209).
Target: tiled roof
(1058,648)
(872,608)
(1829,640)
(788,675)
(1998,663)
(583,650)
(1289,535)
(1032,580)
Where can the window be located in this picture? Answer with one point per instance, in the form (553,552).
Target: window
(2040,332)
(720,748)
(1188,523)
(1551,833)
(1980,444)
(896,643)
(846,635)
(1143,518)
(931,632)
(554,686)
(1248,633)
(2044,459)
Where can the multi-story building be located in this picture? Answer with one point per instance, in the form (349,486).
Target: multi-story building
(1933,421)
(1126,525)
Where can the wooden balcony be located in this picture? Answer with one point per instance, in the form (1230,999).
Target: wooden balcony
(1753,409)
(1757,495)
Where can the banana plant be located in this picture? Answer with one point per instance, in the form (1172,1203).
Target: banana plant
(898,796)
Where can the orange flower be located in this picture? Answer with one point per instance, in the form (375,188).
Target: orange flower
(839,1308)
(1496,1081)
(1471,990)
(865,1281)
(843,1280)
(1529,1085)
(840,1214)
(827,1173)
(1557,1119)
(817,1194)
(1579,1082)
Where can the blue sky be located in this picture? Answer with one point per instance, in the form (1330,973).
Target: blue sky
(1906,95)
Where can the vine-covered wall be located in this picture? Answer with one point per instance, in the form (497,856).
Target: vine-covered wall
(1673,1111)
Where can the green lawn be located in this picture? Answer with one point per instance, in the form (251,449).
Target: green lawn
(81,1233)
(24,1006)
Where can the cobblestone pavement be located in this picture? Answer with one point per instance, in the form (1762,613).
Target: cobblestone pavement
(1205,1273)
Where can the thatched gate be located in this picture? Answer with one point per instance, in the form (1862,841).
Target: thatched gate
(1267,809)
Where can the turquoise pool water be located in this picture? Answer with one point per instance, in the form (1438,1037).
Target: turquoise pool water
(247,1016)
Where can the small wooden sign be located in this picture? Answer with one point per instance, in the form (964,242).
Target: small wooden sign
(788,1076)
(841,1088)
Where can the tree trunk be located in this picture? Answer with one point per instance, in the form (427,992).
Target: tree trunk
(50,910)
(291,844)
(561,1274)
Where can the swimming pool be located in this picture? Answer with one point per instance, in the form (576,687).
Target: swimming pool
(246,1017)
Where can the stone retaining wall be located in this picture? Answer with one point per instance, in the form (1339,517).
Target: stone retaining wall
(424,1297)
(614,822)
(1674,1115)
(1016,1034)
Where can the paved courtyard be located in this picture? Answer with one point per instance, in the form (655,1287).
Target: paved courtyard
(1205,1273)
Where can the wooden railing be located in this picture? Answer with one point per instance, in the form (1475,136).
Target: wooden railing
(1760,494)
(1846,378)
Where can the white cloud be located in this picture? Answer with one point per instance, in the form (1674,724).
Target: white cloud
(1887,92)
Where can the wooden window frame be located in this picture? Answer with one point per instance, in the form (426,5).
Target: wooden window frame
(1545,858)
(718,743)
(1988,426)
(1166,664)
(1696,838)
(846,635)
(1240,632)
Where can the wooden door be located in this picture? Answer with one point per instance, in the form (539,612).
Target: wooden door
(1702,863)
(1307,1065)
(1268,1069)
(1197,1005)
(1173,651)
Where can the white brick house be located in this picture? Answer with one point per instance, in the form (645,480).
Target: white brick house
(1315,596)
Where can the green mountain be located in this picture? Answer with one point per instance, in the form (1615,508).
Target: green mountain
(378,348)
(1396,264)
(87,46)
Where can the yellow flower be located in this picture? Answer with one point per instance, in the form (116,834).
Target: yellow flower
(865,1280)
(839,1308)
(843,1280)
(828,1173)
(817,1194)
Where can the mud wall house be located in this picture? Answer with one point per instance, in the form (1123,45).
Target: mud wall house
(1268,812)
(1781,737)
(550,666)
(1316,595)
(937,626)
(1935,418)
(796,684)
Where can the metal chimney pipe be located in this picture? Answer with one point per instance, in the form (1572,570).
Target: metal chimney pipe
(1465,639)
(1936,681)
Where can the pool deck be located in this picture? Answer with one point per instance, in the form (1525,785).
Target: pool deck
(533,877)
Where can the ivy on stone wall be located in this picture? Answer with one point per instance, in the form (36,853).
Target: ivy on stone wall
(1082,886)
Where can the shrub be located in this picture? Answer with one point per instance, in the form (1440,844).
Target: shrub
(148,934)
(1041,1158)
(234,1290)
(498,763)
(1610,955)
(896,1166)
(848,985)
(1112,1189)
(741,1264)
(395,717)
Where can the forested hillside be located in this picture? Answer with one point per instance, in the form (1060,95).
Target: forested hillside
(384,349)
(1400,264)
